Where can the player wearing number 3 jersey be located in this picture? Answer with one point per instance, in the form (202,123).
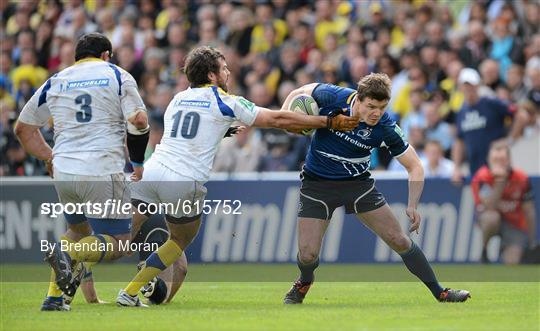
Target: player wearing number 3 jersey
(90,103)
(195,122)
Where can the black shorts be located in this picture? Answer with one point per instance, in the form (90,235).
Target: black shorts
(320,197)
(152,231)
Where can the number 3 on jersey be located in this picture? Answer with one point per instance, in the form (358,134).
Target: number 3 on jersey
(85,114)
(190,125)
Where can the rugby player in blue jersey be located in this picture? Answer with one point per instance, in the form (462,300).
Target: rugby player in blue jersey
(336,174)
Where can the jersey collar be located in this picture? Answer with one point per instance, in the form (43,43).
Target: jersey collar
(89,59)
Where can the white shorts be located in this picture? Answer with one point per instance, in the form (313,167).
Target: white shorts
(161,185)
(102,192)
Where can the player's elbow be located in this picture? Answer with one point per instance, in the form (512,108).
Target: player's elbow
(22,130)
(415,170)
(18,130)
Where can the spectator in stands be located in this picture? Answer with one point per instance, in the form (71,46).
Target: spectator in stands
(436,128)
(240,153)
(477,46)
(263,13)
(505,205)
(489,71)
(416,116)
(480,121)
(278,157)
(434,163)
(418,80)
(515,83)
(279,44)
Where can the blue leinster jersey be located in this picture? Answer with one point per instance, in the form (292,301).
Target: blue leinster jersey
(340,155)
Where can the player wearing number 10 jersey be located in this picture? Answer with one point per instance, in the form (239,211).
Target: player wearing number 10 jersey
(90,103)
(195,122)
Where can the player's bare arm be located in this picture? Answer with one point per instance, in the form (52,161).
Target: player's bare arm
(287,120)
(308,90)
(412,163)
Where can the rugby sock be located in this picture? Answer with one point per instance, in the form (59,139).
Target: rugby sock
(54,291)
(155,264)
(95,249)
(306,270)
(416,262)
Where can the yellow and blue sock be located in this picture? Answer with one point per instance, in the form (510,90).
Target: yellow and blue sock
(94,249)
(155,264)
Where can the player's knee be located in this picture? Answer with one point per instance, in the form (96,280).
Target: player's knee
(307,255)
(399,242)
(181,239)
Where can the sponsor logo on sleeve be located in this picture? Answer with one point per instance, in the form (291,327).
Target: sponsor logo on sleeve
(246,103)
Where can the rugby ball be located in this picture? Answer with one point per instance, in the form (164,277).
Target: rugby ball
(305,104)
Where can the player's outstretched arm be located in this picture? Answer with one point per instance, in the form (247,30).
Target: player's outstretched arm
(412,163)
(288,120)
(33,142)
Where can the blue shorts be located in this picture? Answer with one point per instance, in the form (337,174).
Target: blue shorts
(110,226)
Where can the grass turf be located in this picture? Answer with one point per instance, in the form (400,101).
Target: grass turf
(240,305)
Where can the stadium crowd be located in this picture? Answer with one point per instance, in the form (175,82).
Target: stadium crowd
(272,47)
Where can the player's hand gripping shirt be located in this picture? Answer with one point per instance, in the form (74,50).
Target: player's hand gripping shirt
(194,124)
(89,103)
(339,155)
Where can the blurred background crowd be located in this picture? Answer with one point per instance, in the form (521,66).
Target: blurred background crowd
(271,48)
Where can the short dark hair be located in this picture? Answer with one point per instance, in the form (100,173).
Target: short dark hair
(92,45)
(374,86)
(200,62)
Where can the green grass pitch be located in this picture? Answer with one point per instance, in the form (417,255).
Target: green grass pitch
(219,297)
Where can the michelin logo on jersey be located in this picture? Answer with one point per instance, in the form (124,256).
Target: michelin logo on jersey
(87,83)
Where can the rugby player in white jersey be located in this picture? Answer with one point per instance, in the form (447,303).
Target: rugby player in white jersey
(195,122)
(90,103)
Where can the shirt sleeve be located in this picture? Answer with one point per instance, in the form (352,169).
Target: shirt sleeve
(394,140)
(244,110)
(130,99)
(36,111)
(329,97)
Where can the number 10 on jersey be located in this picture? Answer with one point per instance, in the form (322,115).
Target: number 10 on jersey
(190,124)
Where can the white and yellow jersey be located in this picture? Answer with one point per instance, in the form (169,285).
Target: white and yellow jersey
(195,122)
(89,103)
